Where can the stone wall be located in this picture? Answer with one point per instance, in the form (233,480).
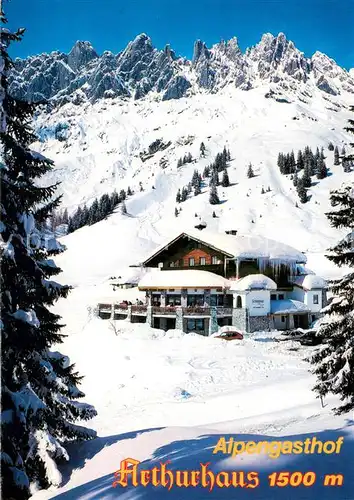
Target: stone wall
(213,322)
(239,319)
(259,323)
(179,318)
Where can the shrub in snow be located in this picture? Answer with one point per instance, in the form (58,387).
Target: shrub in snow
(40,392)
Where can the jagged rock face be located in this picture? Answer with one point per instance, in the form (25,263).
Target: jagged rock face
(140,69)
(275,57)
(80,55)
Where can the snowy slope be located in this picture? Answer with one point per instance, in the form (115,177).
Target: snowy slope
(102,152)
(167,396)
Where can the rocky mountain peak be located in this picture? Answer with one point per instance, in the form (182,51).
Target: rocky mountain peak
(141,68)
(81,54)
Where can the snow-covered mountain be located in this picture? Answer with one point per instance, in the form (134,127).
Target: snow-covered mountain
(140,69)
(269,100)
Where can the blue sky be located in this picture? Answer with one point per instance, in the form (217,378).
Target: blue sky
(325,25)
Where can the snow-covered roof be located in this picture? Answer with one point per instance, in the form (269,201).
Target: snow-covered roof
(242,246)
(287,306)
(310,282)
(182,279)
(131,276)
(254,282)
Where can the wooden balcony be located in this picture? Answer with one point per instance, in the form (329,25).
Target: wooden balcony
(139,310)
(196,311)
(164,311)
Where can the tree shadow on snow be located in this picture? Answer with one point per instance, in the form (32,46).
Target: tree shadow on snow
(188,454)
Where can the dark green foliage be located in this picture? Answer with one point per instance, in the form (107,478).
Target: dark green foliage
(334,360)
(336,156)
(176,212)
(321,168)
(178,196)
(202,149)
(39,387)
(213,196)
(184,194)
(330,146)
(214,215)
(206,171)
(301,190)
(250,172)
(225,182)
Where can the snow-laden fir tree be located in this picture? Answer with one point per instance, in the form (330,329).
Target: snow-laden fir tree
(334,360)
(336,156)
(250,172)
(213,196)
(301,190)
(39,387)
(225,182)
(349,158)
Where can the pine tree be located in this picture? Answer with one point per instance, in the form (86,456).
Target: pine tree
(301,190)
(179,162)
(330,146)
(321,169)
(129,191)
(228,155)
(306,176)
(214,215)
(348,159)
(334,360)
(225,182)
(94,213)
(176,212)
(213,197)
(39,387)
(336,156)
(262,192)
(202,149)
(184,194)
(295,179)
(197,189)
(250,172)
(122,195)
(206,171)
(300,160)
(178,196)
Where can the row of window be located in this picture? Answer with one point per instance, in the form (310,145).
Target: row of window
(280,296)
(192,262)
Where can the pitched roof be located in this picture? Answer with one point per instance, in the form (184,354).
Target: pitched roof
(182,279)
(253,282)
(310,282)
(287,306)
(241,246)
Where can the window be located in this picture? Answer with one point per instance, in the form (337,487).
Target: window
(172,264)
(195,325)
(239,302)
(283,319)
(171,289)
(313,318)
(191,261)
(213,300)
(315,299)
(202,261)
(281,296)
(214,260)
(273,296)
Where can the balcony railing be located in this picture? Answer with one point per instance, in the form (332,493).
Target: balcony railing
(164,310)
(104,307)
(224,311)
(196,311)
(139,309)
(121,306)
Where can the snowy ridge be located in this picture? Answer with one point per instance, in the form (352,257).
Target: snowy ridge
(141,69)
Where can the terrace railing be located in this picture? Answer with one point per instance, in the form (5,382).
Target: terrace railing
(141,309)
(164,310)
(196,311)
